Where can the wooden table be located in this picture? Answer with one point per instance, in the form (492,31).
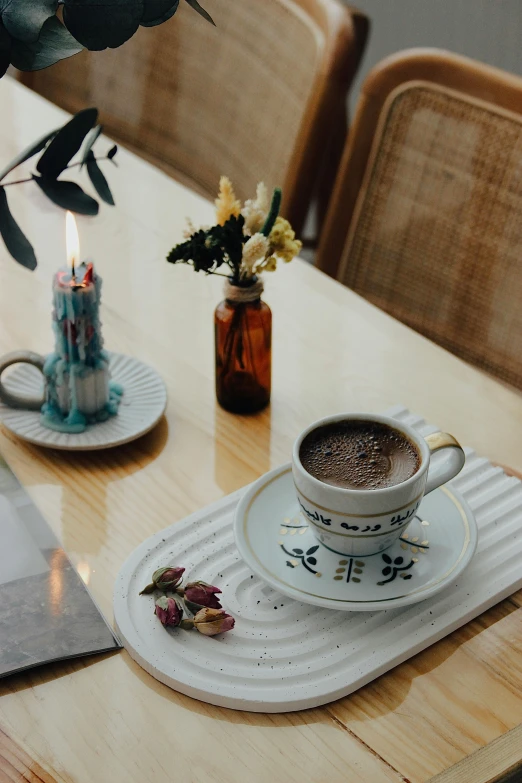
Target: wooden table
(102,718)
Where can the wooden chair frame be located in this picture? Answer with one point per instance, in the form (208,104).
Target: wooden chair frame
(318,147)
(476,80)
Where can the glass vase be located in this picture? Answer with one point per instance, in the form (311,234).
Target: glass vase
(243,346)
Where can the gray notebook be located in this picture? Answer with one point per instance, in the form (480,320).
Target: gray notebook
(46,613)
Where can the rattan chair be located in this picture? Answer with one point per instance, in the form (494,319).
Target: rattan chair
(426,216)
(259,97)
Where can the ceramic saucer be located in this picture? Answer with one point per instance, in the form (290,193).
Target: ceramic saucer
(275,540)
(143,404)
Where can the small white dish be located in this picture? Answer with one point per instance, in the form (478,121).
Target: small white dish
(143,404)
(275,540)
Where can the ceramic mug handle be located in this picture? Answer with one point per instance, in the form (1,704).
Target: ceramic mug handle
(19,400)
(447,459)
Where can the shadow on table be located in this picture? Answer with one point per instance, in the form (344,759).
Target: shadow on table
(377,699)
(241,453)
(48,672)
(386,693)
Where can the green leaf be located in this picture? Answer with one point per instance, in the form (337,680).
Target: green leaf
(66,143)
(273,212)
(68,195)
(98,180)
(5,49)
(91,138)
(158,11)
(15,240)
(27,153)
(196,6)
(102,24)
(192,607)
(54,44)
(24,19)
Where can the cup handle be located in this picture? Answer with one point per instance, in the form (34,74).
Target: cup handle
(20,400)
(448,460)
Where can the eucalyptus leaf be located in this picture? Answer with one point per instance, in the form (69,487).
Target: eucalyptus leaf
(102,24)
(196,6)
(37,146)
(158,11)
(98,180)
(68,195)
(15,240)
(5,49)
(89,142)
(55,43)
(24,19)
(66,143)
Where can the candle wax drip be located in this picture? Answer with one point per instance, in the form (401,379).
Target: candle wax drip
(75,421)
(78,387)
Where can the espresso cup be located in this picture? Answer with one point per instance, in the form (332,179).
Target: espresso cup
(364,522)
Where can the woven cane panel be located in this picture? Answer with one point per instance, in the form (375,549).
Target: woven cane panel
(205,101)
(438,238)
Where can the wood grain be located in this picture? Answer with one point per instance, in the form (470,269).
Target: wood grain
(17,766)
(498,763)
(104,718)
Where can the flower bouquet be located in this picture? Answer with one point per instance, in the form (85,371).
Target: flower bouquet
(249,239)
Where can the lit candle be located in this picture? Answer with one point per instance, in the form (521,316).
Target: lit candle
(78,389)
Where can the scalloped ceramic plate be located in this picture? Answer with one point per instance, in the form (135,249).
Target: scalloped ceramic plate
(275,540)
(143,404)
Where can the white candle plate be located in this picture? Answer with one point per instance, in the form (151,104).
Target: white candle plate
(143,404)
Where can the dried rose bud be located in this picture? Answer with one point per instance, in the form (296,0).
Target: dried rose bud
(167,611)
(202,594)
(167,578)
(164,579)
(213,621)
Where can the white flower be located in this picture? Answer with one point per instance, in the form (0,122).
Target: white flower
(255,210)
(253,251)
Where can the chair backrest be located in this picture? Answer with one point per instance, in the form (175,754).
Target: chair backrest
(426,216)
(253,98)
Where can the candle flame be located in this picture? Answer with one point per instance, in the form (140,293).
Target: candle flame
(72,242)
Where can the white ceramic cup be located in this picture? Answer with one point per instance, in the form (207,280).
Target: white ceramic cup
(366,521)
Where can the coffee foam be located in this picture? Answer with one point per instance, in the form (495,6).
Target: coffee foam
(356,454)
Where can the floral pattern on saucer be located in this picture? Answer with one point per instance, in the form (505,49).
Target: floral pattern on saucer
(275,538)
(351,569)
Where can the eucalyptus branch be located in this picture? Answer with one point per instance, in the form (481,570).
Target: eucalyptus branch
(71,166)
(57,148)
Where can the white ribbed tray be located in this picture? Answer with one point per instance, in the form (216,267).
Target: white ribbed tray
(284,655)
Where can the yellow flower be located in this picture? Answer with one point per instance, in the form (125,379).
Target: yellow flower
(268,264)
(226,203)
(190,229)
(282,240)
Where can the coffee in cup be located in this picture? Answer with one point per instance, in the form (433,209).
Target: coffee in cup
(359,454)
(360,478)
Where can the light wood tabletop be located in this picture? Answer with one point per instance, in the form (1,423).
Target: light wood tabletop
(103,718)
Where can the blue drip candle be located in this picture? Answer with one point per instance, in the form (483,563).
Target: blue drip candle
(78,390)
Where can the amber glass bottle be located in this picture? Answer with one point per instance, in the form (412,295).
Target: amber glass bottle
(243,342)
